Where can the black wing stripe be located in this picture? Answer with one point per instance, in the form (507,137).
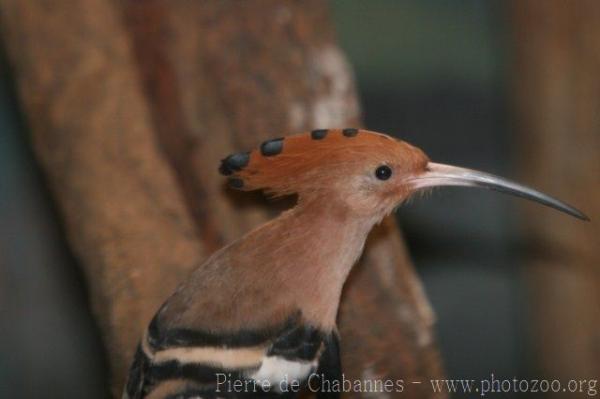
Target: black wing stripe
(160,338)
(197,372)
(330,366)
(135,380)
(205,394)
(300,342)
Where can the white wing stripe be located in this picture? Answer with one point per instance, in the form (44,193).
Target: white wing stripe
(276,369)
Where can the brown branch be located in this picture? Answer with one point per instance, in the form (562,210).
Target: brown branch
(93,135)
(557,102)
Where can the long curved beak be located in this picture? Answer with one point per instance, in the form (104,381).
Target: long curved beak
(446,175)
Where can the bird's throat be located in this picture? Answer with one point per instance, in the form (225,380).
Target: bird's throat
(324,244)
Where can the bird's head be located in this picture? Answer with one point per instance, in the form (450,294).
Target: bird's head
(367,173)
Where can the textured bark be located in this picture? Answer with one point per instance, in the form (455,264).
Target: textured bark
(557,97)
(131,106)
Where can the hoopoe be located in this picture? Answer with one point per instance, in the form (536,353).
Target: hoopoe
(258,318)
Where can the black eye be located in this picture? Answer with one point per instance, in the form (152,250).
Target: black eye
(383,172)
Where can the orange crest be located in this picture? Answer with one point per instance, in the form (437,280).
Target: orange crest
(312,161)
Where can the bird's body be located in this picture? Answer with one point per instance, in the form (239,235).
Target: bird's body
(290,321)
(258,318)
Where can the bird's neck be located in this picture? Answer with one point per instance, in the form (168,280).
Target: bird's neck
(323,241)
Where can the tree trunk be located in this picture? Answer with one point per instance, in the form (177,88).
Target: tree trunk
(132,104)
(557,98)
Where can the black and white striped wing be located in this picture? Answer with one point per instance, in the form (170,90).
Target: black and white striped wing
(193,364)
